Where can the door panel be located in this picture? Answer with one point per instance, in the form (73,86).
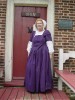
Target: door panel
(21,38)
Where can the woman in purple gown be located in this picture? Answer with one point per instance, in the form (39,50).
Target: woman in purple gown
(38,77)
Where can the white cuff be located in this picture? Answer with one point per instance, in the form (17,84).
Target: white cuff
(50,46)
(29,46)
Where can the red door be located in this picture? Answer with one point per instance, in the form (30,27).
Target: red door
(21,37)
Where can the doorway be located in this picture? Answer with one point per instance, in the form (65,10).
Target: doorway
(21,37)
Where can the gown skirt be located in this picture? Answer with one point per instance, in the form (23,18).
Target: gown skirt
(38,76)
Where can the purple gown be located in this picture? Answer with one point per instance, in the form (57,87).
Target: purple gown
(38,77)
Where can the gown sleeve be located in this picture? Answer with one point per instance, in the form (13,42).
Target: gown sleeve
(29,45)
(49,42)
(50,46)
(31,36)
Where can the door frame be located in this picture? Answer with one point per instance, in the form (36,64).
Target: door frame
(9,33)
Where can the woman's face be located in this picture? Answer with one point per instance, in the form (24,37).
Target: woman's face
(39,25)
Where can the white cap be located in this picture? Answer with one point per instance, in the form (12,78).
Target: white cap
(44,22)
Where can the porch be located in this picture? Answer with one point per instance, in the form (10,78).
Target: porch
(20,93)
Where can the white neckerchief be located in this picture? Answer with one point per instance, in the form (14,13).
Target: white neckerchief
(38,32)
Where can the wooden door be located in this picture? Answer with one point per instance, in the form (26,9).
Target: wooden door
(21,37)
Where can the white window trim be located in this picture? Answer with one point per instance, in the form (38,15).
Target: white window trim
(10,28)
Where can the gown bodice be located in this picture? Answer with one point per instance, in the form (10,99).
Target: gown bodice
(38,41)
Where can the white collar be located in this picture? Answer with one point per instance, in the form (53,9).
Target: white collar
(39,32)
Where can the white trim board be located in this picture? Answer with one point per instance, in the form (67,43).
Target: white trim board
(10,28)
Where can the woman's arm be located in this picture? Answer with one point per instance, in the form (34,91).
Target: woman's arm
(49,42)
(29,45)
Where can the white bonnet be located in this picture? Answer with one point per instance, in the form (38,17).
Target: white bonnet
(44,22)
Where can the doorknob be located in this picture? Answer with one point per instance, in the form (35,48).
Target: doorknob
(30,29)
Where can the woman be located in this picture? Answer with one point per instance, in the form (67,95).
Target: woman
(38,76)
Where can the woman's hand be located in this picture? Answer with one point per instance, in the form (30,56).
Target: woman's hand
(51,56)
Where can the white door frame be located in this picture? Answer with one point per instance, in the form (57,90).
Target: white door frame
(10,28)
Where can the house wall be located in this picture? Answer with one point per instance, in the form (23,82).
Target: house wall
(64,9)
(3,5)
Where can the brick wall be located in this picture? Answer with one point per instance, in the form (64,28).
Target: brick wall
(2,35)
(64,9)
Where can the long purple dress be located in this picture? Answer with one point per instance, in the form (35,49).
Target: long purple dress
(38,77)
